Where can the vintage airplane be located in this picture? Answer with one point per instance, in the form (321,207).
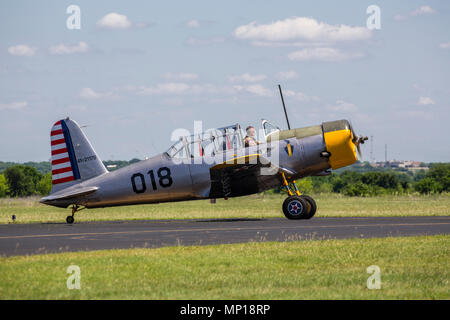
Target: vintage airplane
(215,164)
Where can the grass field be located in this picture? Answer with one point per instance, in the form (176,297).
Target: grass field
(411,268)
(256,206)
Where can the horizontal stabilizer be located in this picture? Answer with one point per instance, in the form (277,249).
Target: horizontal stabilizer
(70,194)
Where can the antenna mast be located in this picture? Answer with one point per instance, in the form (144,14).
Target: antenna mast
(372,159)
(284,107)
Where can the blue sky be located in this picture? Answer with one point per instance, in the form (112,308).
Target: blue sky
(137,70)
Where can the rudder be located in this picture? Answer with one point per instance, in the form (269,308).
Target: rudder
(73,158)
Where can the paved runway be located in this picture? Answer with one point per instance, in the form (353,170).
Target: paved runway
(18,239)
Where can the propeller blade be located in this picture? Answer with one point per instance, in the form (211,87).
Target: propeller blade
(357,140)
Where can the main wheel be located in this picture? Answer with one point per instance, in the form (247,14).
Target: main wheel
(295,207)
(70,219)
(312,206)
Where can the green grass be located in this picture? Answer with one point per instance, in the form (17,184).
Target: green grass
(256,206)
(411,268)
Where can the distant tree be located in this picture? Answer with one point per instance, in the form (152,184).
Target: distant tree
(357,189)
(427,186)
(134,160)
(325,187)
(350,177)
(33,174)
(4,189)
(41,167)
(338,184)
(305,185)
(381,179)
(19,183)
(419,175)
(44,185)
(440,173)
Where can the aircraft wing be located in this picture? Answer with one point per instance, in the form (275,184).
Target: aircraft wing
(243,175)
(69,194)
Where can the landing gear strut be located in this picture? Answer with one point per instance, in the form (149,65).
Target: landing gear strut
(297,206)
(71,219)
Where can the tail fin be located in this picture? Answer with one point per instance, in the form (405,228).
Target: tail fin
(73,158)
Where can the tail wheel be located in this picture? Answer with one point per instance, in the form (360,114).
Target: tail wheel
(75,208)
(70,219)
(312,206)
(295,207)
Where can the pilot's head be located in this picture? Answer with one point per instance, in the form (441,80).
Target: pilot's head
(250,131)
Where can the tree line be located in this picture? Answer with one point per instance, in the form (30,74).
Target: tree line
(436,180)
(35,178)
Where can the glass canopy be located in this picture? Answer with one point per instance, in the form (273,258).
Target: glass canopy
(208,143)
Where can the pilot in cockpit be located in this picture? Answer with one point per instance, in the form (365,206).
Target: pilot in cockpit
(250,139)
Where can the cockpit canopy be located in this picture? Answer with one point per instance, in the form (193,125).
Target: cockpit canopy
(214,141)
(208,143)
(269,128)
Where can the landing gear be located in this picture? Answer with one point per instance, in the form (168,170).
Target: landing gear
(71,219)
(312,206)
(297,206)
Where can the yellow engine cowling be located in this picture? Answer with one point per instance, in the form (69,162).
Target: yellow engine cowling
(338,140)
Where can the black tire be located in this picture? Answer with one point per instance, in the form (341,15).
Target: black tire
(295,208)
(312,206)
(70,219)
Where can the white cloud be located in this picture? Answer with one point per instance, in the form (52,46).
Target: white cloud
(114,21)
(424,101)
(143,25)
(322,54)
(444,45)
(423,10)
(281,44)
(194,23)
(301,28)
(60,49)
(182,88)
(300,96)
(342,106)
(246,77)
(180,76)
(287,75)
(89,93)
(194,41)
(16,105)
(255,89)
(22,50)
(165,88)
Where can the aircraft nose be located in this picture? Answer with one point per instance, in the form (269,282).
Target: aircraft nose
(338,138)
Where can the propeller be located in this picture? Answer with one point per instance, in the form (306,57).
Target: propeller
(357,140)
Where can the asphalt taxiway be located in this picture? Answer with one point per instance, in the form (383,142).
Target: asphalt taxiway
(36,238)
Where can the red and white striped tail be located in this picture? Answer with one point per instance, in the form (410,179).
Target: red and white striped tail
(64,167)
(73,158)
